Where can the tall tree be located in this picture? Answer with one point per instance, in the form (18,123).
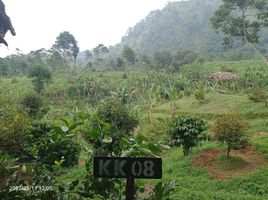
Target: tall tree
(129,54)
(66,45)
(100,49)
(56,61)
(100,52)
(241,19)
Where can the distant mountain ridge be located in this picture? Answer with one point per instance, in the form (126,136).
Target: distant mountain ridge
(179,25)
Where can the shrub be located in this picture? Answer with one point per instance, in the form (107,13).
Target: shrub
(14,80)
(40,75)
(186,131)
(257,94)
(13,133)
(36,131)
(32,103)
(115,121)
(124,76)
(200,93)
(118,116)
(230,129)
(54,147)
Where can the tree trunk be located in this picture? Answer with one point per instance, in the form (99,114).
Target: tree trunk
(228,151)
(248,42)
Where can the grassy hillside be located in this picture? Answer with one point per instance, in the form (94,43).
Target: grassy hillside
(216,105)
(149,89)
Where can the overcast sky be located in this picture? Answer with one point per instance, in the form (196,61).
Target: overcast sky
(39,22)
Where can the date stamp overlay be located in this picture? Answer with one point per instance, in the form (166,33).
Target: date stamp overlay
(30,188)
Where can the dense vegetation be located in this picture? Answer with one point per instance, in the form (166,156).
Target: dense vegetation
(186,25)
(61,108)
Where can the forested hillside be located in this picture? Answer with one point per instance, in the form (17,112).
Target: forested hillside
(184,25)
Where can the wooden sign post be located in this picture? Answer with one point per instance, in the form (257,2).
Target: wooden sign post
(129,168)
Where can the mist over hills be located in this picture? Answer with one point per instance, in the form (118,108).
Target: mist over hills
(183,25)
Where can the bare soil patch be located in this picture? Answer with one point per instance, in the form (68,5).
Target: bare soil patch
(252,160)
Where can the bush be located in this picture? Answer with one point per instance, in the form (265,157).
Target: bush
(257,94)
(231,130)
(54,147)
(40,75)
(124,75)
(32,103)
(13,133)
(118,116)
(36,131)
(115,121)
(200,93)
(186,131)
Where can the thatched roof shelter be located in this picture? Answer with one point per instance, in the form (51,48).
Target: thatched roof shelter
(223,76)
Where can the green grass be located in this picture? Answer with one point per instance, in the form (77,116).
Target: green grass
(195,183)
(261,145)
(216,104)
(229,164)
(192,183)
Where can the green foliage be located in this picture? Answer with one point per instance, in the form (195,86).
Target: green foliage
(233,19)
(120,63)
(200,93)
(184,57)
(36,131)
(129,54)
(112,123)
(257,94)
(40,72)
(40,75)
(230,129)
(54,146)
(100,49)
(180,25)
(66,45)
(120,118)
(242,20)
(32,103)
(56,62)
(13,133)
(124,76)
(163,191)
(186,131)
(162,58)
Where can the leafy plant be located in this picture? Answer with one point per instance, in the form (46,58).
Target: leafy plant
(13,133)
(32,103)
(257,94)
(200,93)
(230,129)
(163,191)
(241,19)
(186,131)
(55,146)
(111,123)
(40,75)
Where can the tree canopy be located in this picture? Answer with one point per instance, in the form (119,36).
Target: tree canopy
(67,45)
(241,19)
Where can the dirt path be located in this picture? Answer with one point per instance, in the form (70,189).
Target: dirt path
(252,160)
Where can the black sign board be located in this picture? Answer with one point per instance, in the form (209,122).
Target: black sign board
(121,167)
